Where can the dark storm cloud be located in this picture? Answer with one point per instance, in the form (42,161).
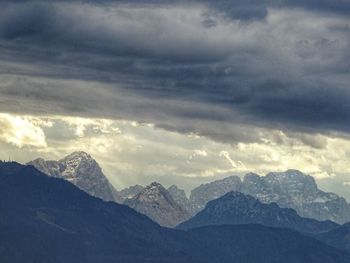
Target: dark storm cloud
(258,9)
(241,9)
(339,6)
(183,66)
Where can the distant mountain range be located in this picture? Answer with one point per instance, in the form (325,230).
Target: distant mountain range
(235,208)
(48,220)
(290,189)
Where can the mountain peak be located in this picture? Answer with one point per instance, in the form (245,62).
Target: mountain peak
(155,185)
(156,202)
(131,191)
(293,179)
(289,174)
(173,187)
(233,195)
(237,208)
(209,191)
(154,192)
(77,163)
(83,171)
(295,172)
(234,200)
(290,189)
(78,155)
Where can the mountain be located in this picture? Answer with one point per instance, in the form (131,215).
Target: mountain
(155,202)
(130,192)
(339,237)
(83,171)
(49,220)
(258,244)
(179,196)
(299,191)
(290,189)
(204,193)
(235,208)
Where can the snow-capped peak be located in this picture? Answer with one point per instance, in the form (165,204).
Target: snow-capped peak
(78,157)
(82,170)
(75,162)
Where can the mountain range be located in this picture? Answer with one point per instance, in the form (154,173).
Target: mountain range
(290,189)
(235,208)
(45,219)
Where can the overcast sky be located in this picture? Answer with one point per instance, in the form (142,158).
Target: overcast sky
(179,91)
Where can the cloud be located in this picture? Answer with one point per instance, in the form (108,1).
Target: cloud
(176,91)
(183,66)
(22,131)
(142,153)
(228,157)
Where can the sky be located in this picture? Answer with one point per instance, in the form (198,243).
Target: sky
(179,91)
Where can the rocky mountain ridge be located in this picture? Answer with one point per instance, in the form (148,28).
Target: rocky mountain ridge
(49,220)
(290,189)
(82,170)
(156,202)
(235,208)
(131,191)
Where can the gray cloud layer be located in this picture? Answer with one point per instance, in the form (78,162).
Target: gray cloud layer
(218,68)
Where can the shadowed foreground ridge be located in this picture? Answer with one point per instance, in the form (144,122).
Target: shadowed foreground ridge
(49,220)
(339,237)
(235,208)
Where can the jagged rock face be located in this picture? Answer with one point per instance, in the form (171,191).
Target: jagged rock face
(236,208)
(155,202)
(296,190)
(83,171)
(201,195)
(131,191)
(179,196)
(291,189)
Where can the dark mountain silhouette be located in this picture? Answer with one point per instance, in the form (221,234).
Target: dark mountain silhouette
(339,237)
(236,208)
